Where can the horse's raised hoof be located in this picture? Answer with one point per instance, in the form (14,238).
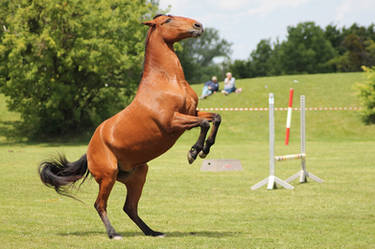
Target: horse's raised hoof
(190,158)
(202,154)
(192,155)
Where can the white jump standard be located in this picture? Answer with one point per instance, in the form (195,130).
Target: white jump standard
(303,174)
(271,180)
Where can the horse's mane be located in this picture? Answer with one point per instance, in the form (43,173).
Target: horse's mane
(161,15)
(148,38)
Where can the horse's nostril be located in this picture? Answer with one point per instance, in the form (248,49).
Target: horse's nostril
(197,25)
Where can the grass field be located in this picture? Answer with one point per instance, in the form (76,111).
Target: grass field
(216,210)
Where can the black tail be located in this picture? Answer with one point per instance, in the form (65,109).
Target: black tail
(61,174)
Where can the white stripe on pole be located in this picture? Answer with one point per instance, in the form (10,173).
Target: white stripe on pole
(289,117)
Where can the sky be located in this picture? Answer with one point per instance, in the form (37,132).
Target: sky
(245,22)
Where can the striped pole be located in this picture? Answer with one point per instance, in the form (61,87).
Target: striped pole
(290,157)
(289,117)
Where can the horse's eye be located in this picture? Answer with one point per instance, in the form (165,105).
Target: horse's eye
(168,20)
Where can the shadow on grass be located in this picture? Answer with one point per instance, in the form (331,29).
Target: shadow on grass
(103,233)
(9,132)
(207,234)
(12,134)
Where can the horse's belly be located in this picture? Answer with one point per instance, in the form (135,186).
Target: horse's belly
(142,144)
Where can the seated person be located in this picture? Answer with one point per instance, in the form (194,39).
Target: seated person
(210,87)
(230,85)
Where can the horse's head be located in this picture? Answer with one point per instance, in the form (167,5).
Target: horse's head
(175,28)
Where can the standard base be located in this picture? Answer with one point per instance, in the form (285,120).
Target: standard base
(271,183)
(302,175)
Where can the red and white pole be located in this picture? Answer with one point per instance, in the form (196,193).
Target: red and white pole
(289,117)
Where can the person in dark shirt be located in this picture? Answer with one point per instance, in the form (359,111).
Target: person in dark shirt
(210,87)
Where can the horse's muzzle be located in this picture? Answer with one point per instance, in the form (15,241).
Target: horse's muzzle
(196,32)
(197,29)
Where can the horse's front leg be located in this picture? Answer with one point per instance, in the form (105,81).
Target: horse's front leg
(186,122)
(216,120)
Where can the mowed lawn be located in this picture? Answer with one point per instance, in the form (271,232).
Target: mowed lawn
(216,210)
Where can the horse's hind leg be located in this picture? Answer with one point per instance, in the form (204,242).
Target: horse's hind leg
(216,120)
(103,166)
(105,187)
(134,182)
(211,138)
(186,122)
(198,146)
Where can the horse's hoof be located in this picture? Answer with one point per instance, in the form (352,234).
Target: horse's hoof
(159,235)
(190,158)
(116,237)
(202,154)
(156,234)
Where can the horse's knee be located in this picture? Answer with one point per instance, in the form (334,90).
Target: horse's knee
(205,124)
(217,120)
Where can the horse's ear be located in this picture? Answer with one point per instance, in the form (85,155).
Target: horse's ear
(151,23)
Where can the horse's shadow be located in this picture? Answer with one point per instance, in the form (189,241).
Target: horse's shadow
(172,234)
(208,234)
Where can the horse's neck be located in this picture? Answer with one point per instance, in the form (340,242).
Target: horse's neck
(160,58)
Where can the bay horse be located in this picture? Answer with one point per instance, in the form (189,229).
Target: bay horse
(163,108)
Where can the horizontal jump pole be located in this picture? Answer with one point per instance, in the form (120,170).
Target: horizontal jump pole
(290,157)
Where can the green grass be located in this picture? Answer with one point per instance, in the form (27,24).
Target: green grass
(216,210)
(321,90)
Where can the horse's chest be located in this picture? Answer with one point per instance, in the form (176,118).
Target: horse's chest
(190,102)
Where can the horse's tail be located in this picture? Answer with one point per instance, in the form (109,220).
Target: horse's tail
(61,174)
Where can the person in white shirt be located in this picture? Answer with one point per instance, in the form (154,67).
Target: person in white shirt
(230,85)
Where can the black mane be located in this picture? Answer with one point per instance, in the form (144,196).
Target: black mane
(160,15)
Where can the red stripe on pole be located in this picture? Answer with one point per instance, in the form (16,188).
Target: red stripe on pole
(287,136)
(291,91)
(289,116)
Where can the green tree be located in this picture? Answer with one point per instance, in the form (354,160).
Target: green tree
(306,50)
(263,61)
(260,58)
(367,96)
(336,37)
(241,69)
(354,56)
(67,65)
(370,51)
(197,55)
(353,46)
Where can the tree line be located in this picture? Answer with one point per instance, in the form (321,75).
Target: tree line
(308,48)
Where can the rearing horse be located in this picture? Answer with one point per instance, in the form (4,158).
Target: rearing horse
(163,108)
